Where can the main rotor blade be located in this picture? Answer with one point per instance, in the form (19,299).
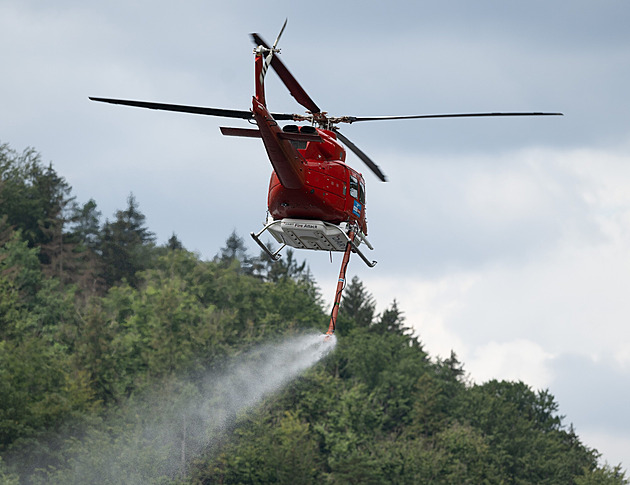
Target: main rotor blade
(359,153)
(225,113)
(352,119)
(287,78)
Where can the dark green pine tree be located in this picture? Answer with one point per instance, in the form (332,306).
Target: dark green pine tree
(174,243)
(56,249)
(357,307)
(85,235)
(19,201)
(285,268)
(36,200)
(125,246)
(86,224)
(392,320)
(233,250)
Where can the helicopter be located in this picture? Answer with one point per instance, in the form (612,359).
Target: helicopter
(316,201)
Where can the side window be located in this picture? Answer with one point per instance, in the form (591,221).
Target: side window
(362,192)
(354,187)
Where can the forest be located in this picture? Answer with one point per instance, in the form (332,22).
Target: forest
(107,339)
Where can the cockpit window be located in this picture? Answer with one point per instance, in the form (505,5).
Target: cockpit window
(354,187)
(362,192)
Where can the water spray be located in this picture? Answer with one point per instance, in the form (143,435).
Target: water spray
(164,431)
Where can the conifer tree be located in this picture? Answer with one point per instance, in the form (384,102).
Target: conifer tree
(125,245)
(174,243)
(35,199)
(358,304)
(233,250)
(86,222)
(286,267)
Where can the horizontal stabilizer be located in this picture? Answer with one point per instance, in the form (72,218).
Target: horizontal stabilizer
(245,132)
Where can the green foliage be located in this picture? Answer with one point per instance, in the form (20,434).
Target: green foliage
(277,448)
(357,308)
(125,246)
(86,224)
(97,324)
(7,478)
(526,433)
(38,389)
(234,250)
(605,475)
(20,267)
(32,196)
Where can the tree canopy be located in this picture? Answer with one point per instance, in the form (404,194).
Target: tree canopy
(101,329)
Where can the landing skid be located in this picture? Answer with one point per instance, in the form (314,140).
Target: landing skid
(313,235)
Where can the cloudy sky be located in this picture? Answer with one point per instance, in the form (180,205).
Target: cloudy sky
(506,240)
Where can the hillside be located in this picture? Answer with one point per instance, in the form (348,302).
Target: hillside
(108,342)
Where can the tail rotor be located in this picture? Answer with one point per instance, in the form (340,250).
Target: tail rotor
(270,51)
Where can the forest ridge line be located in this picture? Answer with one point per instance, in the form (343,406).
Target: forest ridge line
(94,315)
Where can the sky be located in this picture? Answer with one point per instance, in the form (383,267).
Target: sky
(505,240)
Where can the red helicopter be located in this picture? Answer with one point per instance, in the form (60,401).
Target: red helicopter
(316,201)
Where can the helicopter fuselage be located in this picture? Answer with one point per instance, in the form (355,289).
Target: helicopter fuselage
(310,179)
(332,191)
